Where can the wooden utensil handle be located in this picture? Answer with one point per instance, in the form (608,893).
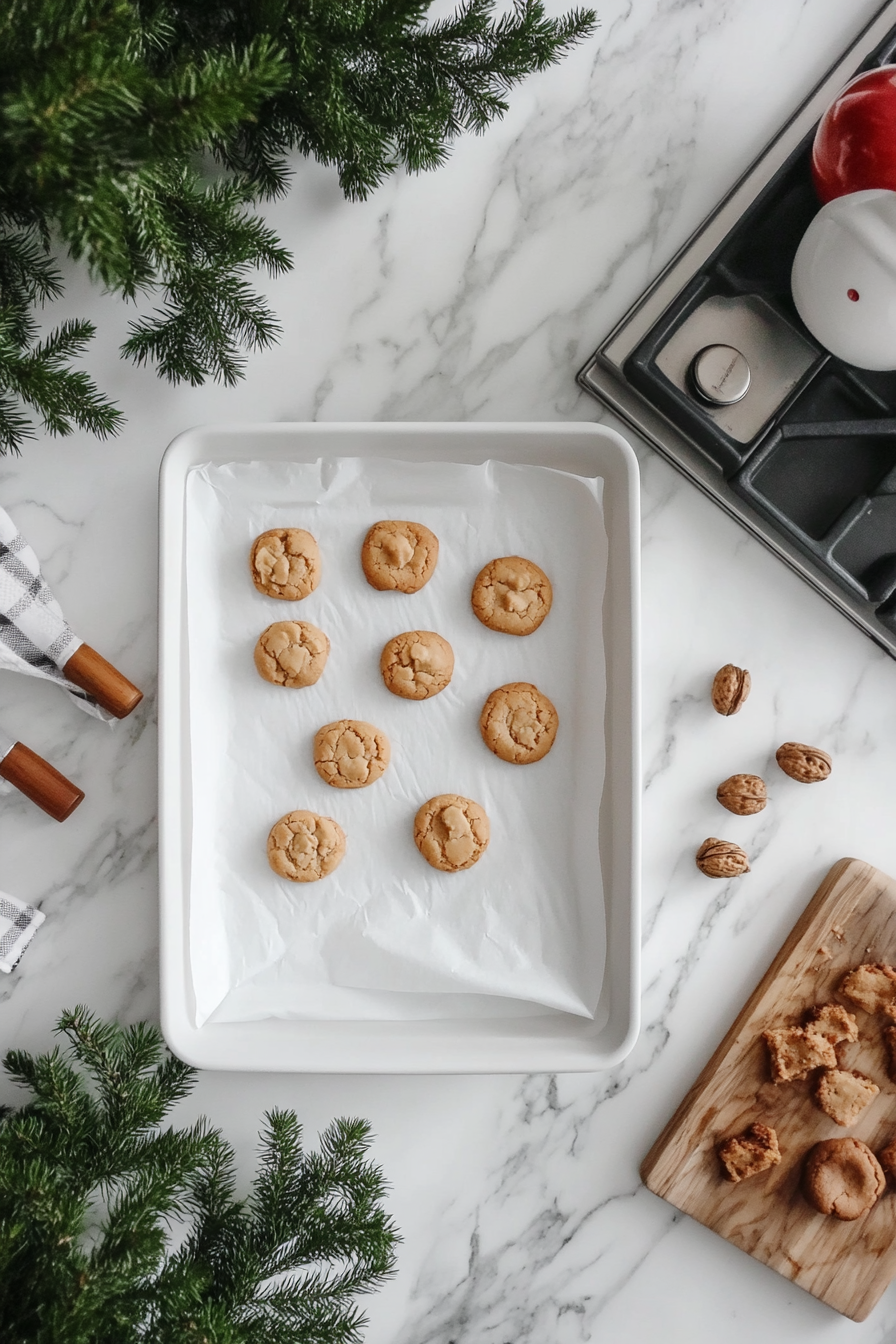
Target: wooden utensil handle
(40,781)
(89,670)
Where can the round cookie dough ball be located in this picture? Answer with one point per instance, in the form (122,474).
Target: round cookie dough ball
(399,556)
(518,723)
(417,664)
(451,832)
(350,754)
(291,653)
(512,595)
(304,847)
(285,563)
(842,1177)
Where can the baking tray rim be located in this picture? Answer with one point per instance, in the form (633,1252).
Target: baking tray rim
(560,1043)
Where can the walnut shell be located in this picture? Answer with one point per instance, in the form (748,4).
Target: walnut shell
(721,858)
(730,688)
(742,794)
(807,765)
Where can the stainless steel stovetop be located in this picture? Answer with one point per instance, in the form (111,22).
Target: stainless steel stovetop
(714,368)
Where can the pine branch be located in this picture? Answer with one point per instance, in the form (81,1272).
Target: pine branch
(109,109)
(36,374)
(93,1195)
(373,88)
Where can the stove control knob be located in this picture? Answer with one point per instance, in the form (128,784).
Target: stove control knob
(720,375)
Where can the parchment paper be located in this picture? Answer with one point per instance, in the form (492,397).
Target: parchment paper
(385,935)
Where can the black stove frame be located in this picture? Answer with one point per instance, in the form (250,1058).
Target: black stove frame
(815,478)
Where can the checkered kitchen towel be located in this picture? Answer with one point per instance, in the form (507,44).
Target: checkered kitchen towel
(18,924)
(35,637)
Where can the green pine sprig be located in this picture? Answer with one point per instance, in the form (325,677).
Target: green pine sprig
(113,1229)
(138,135)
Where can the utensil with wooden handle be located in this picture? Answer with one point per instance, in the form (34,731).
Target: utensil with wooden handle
(37,779)
(108,687)
(36,639)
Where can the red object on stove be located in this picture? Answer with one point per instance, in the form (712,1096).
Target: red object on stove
(855,144)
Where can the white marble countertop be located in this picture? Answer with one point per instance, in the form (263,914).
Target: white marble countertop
(476,293)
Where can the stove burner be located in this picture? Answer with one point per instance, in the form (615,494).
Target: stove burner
(720,375)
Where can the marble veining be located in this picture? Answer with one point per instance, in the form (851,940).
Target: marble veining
(475,293)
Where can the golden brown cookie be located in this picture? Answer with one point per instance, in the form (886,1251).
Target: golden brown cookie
(872,988)
(417,664)
(285,563)
(795,1051)
(291,653)
(350,754)
(749,1153)
(512,595)
(304,847)
(843,1094)
(842,1177)
(518,723)
(451,832)
(398,556)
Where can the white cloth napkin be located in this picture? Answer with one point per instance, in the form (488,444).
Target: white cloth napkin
(35,637)
(18,924)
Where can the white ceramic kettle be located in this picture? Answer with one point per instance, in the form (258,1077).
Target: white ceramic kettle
(844,278)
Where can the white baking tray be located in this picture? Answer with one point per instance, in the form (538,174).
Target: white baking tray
(560,1042)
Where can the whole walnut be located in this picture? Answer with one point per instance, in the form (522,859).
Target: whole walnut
(807,765)
(722,858)
(742,794)
(730,688)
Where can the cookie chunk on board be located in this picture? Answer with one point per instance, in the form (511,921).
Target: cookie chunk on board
(518,723)
(872,988)
(285,563)
(834,1023)
(843,1178)
(748,1154)
(843,1094)
(889,1034)
(887,1159)
(451,832)
(350,754)
(795,1051)
(304,847)
(399,556)
(512,595)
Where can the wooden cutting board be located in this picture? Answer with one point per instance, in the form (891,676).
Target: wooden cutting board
(851,919)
